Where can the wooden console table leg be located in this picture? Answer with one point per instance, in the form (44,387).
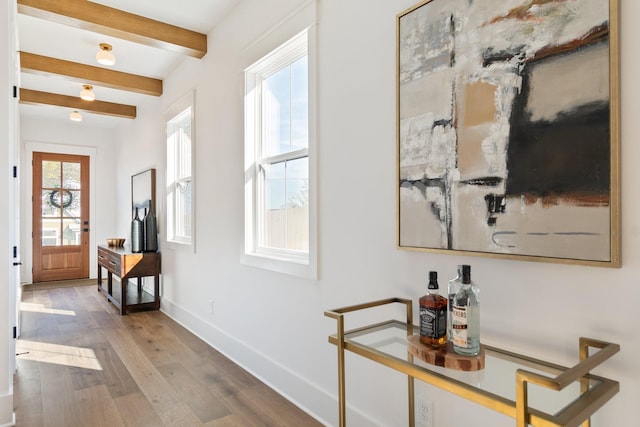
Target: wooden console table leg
(123,294)
(99,277)
(156,291)
(110,283)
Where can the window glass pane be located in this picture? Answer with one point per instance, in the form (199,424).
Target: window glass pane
(71,207)
(297,184)
(183,209)
(171,152)
(184,150)
(71,231)
(275,212)
(51,232)
(299,104)
(286,216)
(276,101)
(50,174)
(71,175)
(51,203)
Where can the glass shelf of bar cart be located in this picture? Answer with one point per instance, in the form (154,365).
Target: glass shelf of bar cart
(534,392)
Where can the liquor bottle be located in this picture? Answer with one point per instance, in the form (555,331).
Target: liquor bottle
(466,317)
(433,315)
(137,234)
(453,287)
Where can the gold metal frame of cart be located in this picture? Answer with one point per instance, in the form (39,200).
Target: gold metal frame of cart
(577,414)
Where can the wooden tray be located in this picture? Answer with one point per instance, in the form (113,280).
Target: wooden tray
(445,357)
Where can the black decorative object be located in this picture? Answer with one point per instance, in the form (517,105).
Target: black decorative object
(137,234)
(150,232)
(67,198)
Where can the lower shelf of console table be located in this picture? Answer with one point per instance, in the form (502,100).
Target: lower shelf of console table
(130,268)
(534,392)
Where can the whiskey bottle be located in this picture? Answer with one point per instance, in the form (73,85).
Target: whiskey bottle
(453,287)
(433,315)
(466,317)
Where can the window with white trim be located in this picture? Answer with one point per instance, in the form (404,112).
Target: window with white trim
(180,142)
(277,154)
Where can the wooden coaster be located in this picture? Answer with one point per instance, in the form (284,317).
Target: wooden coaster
(445,357)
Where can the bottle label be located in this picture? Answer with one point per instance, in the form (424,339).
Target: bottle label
(460,326)
(433,322)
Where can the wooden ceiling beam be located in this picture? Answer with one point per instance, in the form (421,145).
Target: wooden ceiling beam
(53,67)
(98,18)
(28,96)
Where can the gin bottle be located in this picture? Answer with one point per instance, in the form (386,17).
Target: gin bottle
(433,315)
(453,287)
(466,317)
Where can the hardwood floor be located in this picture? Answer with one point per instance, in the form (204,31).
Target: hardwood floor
(82,364)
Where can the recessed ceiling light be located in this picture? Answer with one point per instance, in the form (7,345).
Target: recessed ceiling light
(87,93)
(104,55)
(75,116)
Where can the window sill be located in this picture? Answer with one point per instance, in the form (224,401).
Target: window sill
(292,267)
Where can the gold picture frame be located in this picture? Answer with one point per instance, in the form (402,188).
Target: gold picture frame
(508,130)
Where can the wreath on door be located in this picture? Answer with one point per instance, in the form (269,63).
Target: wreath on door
(61,194)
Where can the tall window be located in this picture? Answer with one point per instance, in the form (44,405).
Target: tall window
(277,153)
(179,172)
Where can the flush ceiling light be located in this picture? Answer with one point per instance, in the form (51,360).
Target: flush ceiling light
(75,116)
(87,93)
(104,55)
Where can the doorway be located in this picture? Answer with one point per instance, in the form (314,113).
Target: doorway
(60,216)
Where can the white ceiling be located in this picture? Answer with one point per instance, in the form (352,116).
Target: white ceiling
(46,38)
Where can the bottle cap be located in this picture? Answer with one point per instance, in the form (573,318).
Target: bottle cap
(466,274)
(433,280)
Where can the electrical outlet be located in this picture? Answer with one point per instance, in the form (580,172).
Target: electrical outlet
(424,412)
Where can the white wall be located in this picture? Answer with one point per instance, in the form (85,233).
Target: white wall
(273,324)
(72,138)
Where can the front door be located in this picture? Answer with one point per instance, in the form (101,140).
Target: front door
(60,217)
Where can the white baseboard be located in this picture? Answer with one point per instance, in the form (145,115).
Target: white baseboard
(7,416)
(12,422)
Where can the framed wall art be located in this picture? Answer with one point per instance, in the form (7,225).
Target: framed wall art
(508,129)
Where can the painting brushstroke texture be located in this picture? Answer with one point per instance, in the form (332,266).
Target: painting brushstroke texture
(504,127)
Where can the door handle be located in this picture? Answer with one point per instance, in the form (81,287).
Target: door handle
(17,263)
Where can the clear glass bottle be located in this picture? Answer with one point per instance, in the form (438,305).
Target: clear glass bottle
(433,315)
(453,287)
(466,317)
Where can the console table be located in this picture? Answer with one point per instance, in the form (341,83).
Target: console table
(123,263)
(563,396)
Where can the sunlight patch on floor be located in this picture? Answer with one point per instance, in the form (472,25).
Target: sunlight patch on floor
(57,354)
(40,308)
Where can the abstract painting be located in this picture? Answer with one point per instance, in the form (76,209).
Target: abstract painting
(508,129)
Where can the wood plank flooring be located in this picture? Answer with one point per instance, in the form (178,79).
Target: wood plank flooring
(82,364)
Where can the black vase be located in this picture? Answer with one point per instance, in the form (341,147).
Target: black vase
(150,232)
(137,234)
